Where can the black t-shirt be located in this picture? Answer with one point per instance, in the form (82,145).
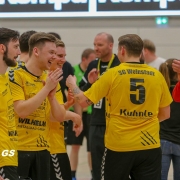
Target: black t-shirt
(98,112)
(67,70)
(170,128)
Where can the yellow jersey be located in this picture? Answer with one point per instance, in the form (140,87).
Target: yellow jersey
(8,135)
(134,93)
(56,138)
(33,131)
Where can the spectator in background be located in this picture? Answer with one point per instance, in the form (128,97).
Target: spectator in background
(170,129)
(149,54)
(87,56)
(176,91)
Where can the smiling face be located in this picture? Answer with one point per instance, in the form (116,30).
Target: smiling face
(11,53)
(46,55)
(60,58)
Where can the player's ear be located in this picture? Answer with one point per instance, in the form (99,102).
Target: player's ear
(123,50)
(36,51)
(2,48)
(111,45)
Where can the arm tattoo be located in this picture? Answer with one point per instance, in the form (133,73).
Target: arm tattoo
(89,102)
(76,91)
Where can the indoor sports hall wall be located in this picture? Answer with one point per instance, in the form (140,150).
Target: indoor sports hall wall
(78,34)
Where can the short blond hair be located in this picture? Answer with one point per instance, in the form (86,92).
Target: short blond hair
(59,43)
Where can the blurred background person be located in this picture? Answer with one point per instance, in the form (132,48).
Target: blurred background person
(24,46)
(149,54)
(170,129)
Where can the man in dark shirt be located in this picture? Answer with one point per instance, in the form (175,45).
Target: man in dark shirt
(103,46)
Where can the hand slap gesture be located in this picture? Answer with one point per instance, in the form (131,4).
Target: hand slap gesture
(53,79)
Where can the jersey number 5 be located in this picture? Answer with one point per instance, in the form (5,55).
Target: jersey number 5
(134,87)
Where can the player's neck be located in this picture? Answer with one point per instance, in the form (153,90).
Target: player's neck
(24,57)
(3,67)
(132,59)
(106,58)
(33,68)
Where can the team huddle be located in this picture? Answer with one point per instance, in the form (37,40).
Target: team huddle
(128,100)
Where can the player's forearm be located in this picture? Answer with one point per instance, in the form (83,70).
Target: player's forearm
(162,117)
(82,100)
(26,107)
(57,110)
(73,117)
(78,109)
(69,116)
(78,94)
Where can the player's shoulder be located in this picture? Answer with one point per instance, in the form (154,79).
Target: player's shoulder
(111,71)
(16,72)
(17,69)
(150,68)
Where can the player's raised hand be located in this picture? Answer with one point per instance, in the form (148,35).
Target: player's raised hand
(53,79)
(93,75)
(70,81)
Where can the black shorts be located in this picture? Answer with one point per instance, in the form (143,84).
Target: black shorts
(60,167)
(96,141)
(34,165)
(72,139)
(9,172)
(65,130)
(141,165)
